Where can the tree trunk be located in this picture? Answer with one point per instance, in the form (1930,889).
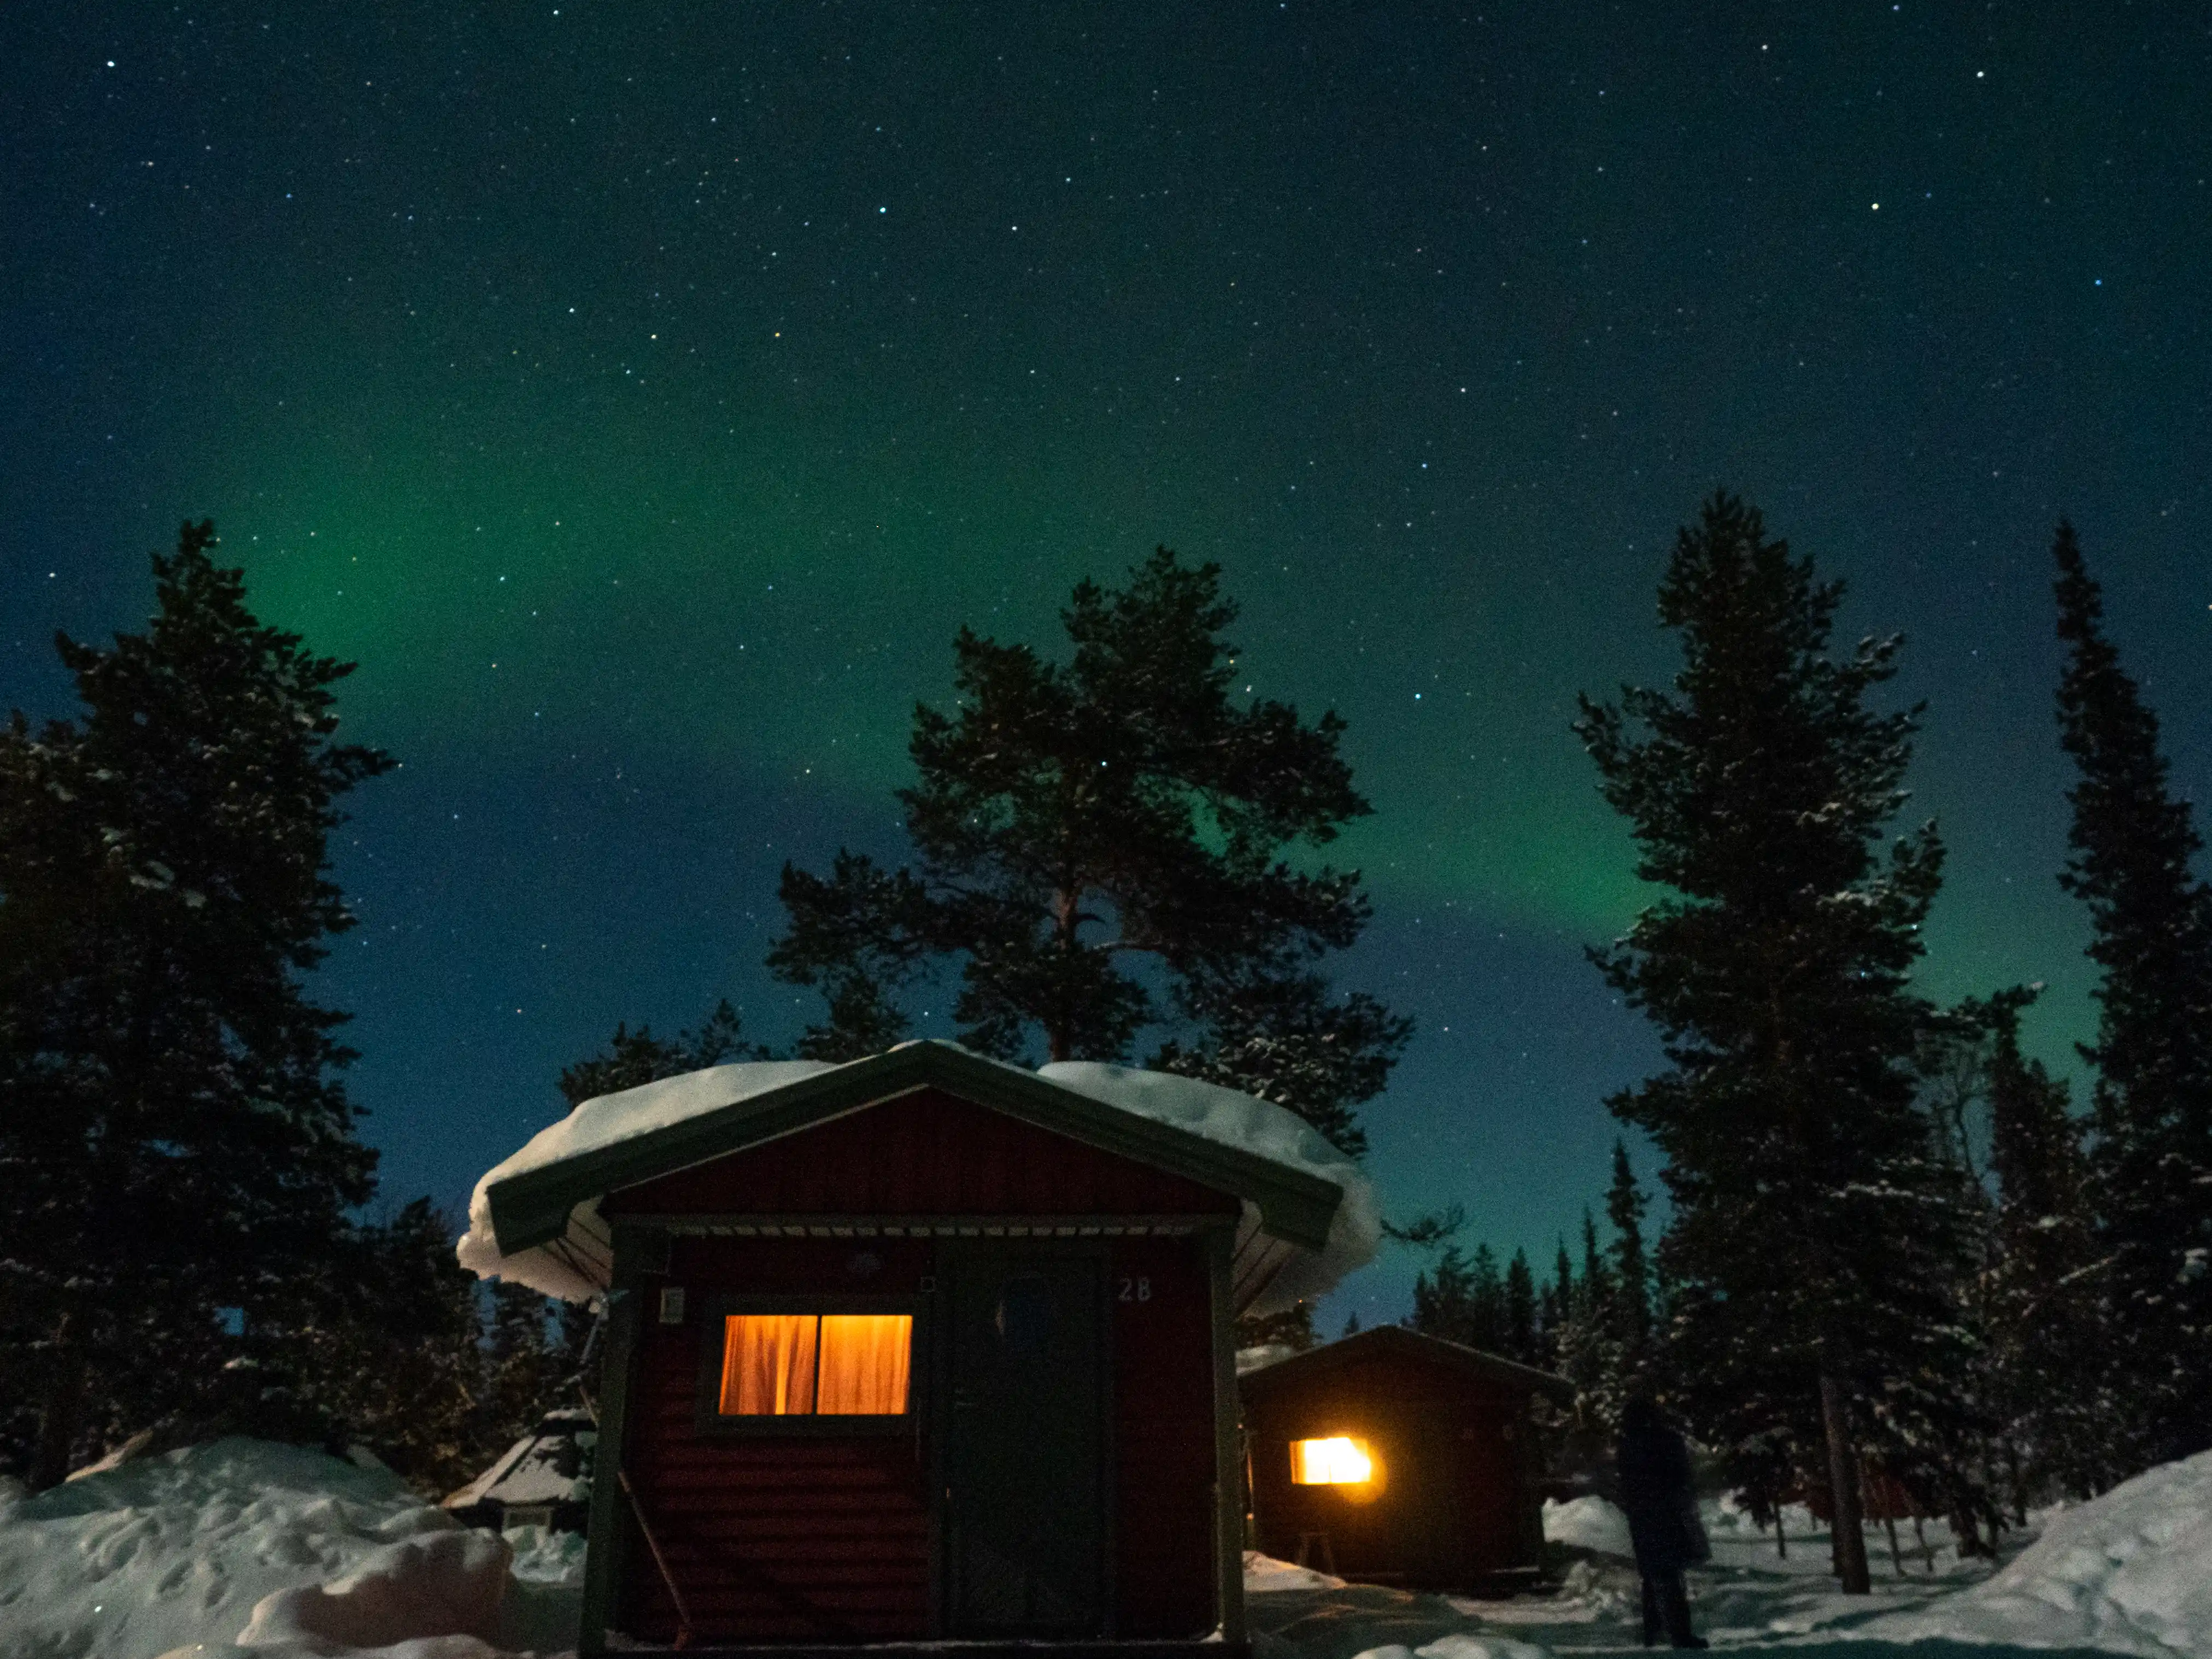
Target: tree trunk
(1848,1524)
(1057,1048)
(57,1419)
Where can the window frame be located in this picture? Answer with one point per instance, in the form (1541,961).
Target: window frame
(708,1417)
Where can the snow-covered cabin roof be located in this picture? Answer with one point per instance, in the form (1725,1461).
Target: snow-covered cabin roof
(1396,1342)
(1309,1213)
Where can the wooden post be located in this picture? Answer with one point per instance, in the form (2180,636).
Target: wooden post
(1228,1463)
(604,1551)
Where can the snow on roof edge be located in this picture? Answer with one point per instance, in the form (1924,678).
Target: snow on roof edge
(1231,1118)
(1208,1110)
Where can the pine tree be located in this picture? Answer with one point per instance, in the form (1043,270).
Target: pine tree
(173,1138)
(1631,1276)
(1552,1300)
(1463,1300)
(1074,821)
(1597,1277)
(1813,1244)
(632,1059)
(382,1349)
(2043,1314)
(1292,1328)
(1519,1303)
(2134,847)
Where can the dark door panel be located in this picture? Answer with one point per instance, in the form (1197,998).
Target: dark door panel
(1025,1464)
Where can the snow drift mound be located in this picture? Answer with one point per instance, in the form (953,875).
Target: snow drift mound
(2130,1572)
(1588,1522)
(242,1542)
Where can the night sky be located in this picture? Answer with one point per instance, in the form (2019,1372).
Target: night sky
(644,396)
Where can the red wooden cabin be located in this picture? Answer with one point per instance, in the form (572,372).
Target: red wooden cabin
(922,1348)
(1394,1458)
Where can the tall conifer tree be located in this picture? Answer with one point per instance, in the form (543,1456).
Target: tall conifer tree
(1075,822)
(173,1138)
(2043,1312)
(2134,851)
(1625,1205)
(1520,1302)
(1814,1243)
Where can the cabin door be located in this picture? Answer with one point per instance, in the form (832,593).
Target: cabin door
(1025,1446)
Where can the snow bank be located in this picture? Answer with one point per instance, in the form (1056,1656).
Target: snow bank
(1587,1523)
(542,1556)
(1460,1646)
(181,1548)
(1264,1576)
(2130,1572)
(440,1587)
(242,1546)
(1205,1109)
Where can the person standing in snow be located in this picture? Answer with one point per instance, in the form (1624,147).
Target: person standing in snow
(1663,1518)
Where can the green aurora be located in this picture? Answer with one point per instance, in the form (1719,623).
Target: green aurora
(644,397)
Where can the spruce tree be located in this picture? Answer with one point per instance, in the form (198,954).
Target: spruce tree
(174,1137)
(1625,1205)
(1520,1309)
(1552,1303)
(1588,1355)
(1813,1244)
(383,1349)
(2043,1314)
(2134,847)
(1463,1300)
(1072,823)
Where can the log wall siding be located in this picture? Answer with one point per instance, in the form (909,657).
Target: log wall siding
(814,1539)
(926,1153)
(804,1539)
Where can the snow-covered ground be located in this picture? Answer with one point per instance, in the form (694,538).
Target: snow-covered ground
(267,1551)
(276,1550)
(2130,1573)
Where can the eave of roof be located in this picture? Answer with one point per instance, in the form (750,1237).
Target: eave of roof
(1416,1346)
(533,1207)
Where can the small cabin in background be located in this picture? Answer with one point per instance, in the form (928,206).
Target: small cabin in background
(543,1479)
(1394,1458)
(923,1348)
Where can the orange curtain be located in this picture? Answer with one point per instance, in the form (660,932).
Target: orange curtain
(865,1361)
(767,1364)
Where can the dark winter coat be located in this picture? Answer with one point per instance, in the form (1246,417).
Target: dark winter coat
(1656,1492)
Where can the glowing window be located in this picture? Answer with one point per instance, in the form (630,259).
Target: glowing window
(815,1365)
(1338,1460)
